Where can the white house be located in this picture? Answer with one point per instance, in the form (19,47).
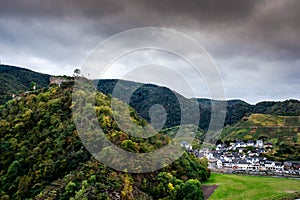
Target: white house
(279,166)
(219,164)
(259,144)
(250,143)
(243,165)
(269,165)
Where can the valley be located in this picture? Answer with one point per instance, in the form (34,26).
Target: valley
(42,155)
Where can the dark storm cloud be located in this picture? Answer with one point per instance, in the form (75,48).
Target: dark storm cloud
(134,13)
(62,8)
(221,10)
(246,26)
(276,25)
(202,11)
(245,37)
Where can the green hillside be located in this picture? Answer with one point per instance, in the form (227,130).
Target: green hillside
(148,95)
(42,156)
(282,131)
(14,80)
(286,108)
(198,136)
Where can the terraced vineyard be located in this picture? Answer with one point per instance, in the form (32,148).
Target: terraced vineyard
(262,126)
(282,131)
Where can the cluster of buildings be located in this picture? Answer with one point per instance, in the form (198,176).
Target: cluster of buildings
(243,156)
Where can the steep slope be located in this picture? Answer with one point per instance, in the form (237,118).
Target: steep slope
(282,131)
(199,134)
(42,156)
(148,94)
(15,79)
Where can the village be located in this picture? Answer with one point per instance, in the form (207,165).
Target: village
(244,157)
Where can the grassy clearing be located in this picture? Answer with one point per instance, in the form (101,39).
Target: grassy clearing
(252,187)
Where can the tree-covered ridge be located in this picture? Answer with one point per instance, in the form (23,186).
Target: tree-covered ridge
(15,80)
(148,95)
(43,157)
(286,108)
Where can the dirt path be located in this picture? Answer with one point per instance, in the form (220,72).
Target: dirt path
(208,190)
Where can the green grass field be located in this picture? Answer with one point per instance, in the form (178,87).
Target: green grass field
(253,187)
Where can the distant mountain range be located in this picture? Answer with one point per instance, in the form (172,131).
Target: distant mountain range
(14,80)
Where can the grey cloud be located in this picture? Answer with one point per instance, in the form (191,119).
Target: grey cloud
(242,36)
(269,25)
(59,41)
(196,9)
(49,8)
(261,81)
(275,25)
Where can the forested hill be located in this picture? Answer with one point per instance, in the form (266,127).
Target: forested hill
(14,80)
(42,156)
(148,95)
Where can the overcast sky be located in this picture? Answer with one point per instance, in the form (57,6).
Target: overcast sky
(254,44)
